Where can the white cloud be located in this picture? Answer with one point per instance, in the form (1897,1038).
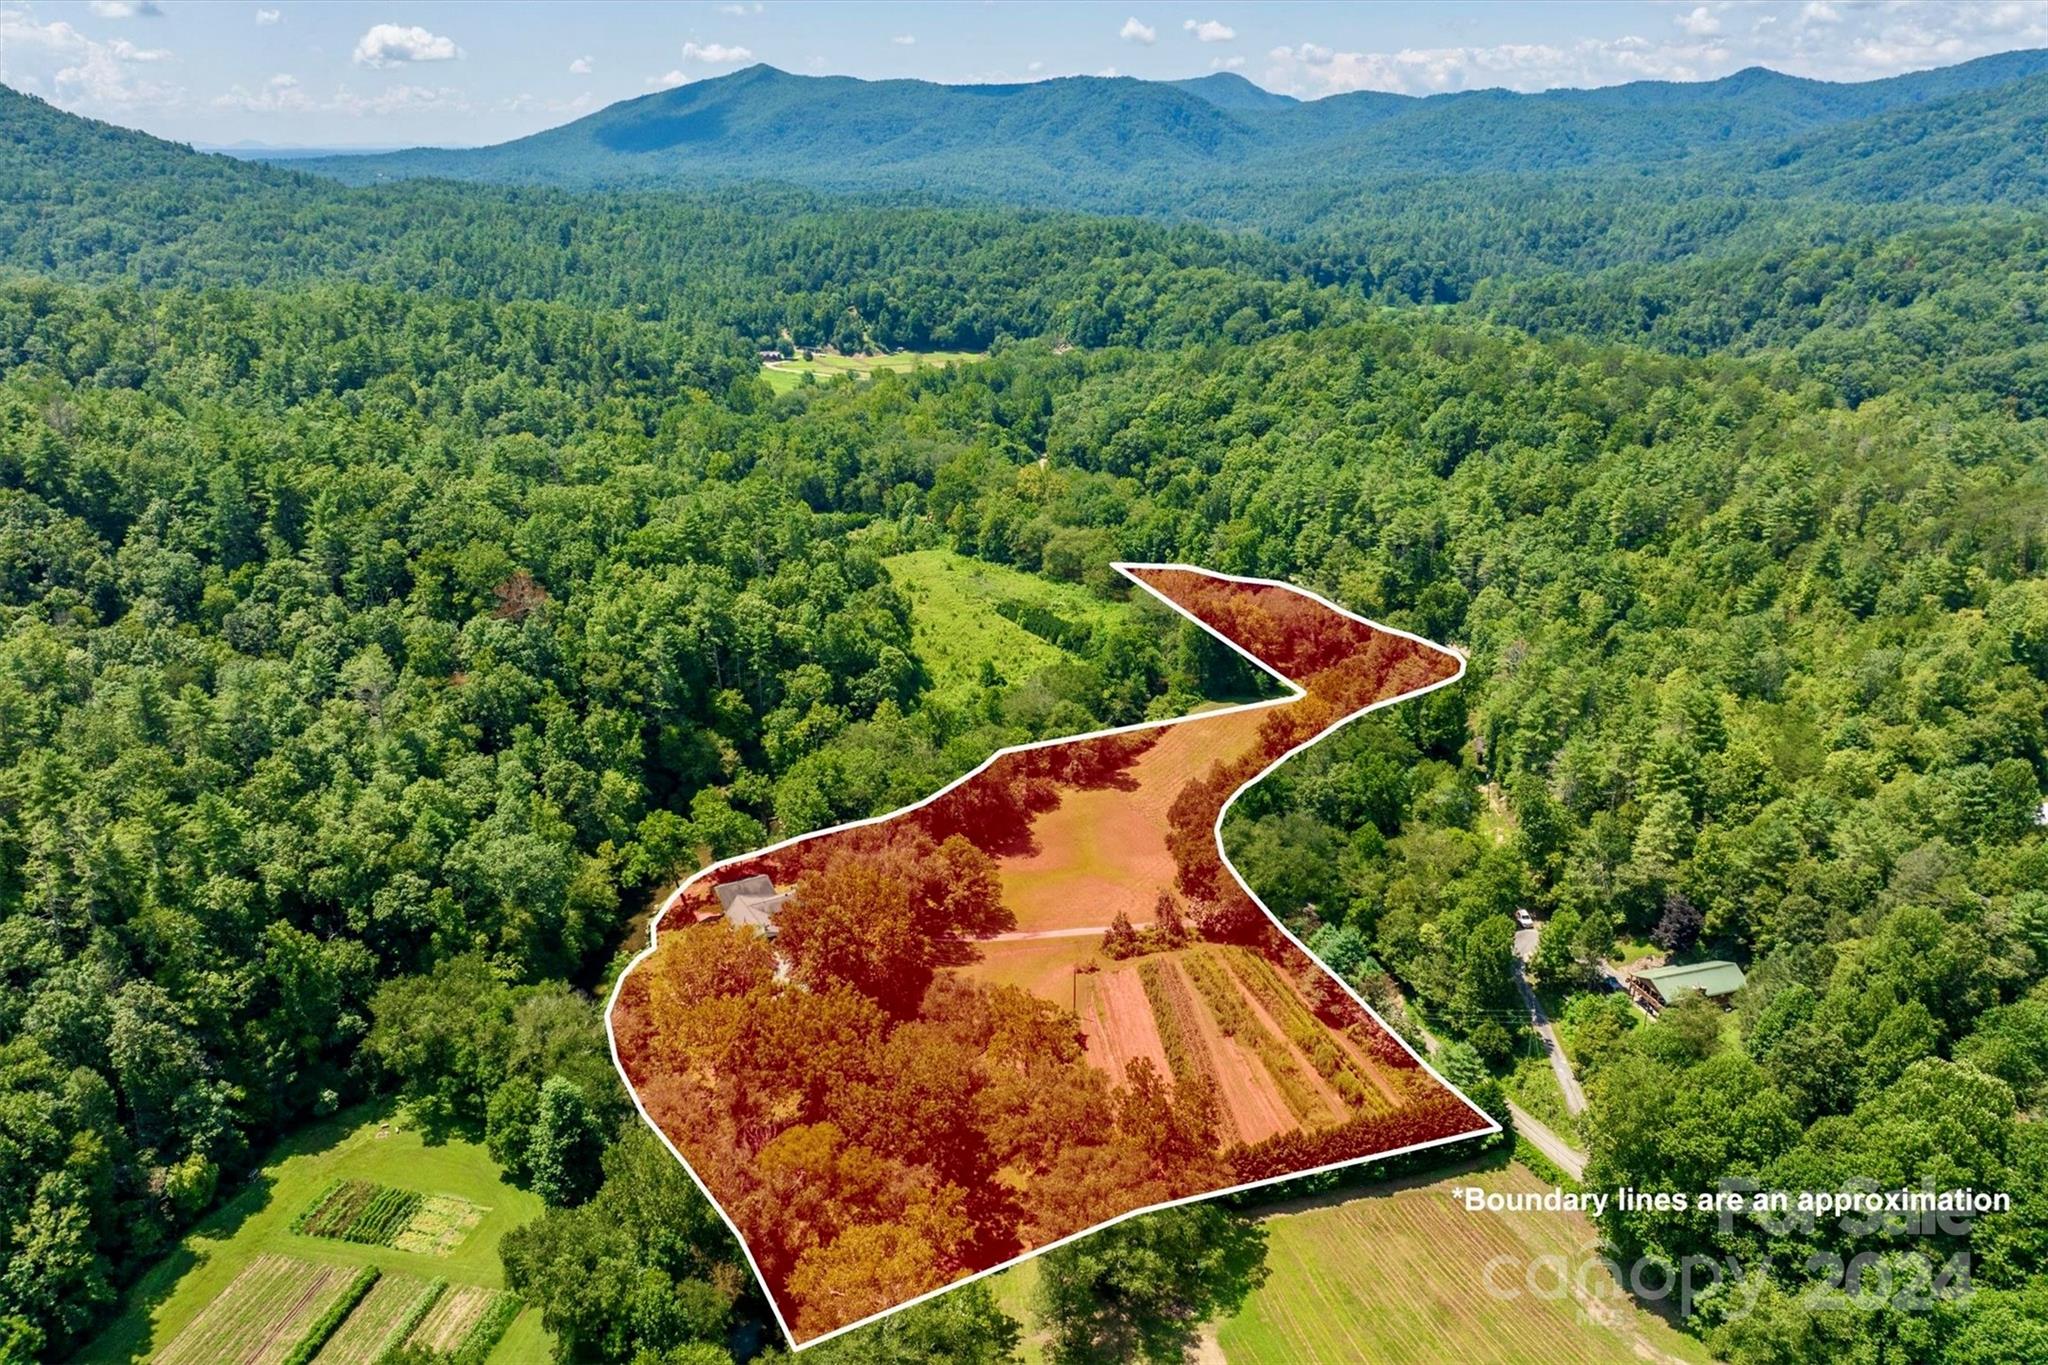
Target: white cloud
(281,94)
(905,40)
(399,99)
(1699,22)
(667,80)
(1225,63)
(525,103)
(77,72)
(581,66)
(1109,73)
(388,45)
(126,51)
(1035,67)
(1824,39)
(126,9)
(739,9)
(1210,31)
(1135,32)
(267,17)
(715,54)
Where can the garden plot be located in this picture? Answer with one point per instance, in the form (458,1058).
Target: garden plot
(386,1316)
(381,1215)
(262,1315)
(468,1318)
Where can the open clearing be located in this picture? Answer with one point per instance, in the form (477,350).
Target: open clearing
(784,375)
(955,626)
(1104,849)
(1392,1276)
(1042,966)
(1403,1276)
(371,1145)
(1080,833)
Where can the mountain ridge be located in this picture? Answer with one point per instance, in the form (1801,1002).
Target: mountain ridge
(1082,141)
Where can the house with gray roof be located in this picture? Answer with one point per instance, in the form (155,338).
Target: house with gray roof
(752,902)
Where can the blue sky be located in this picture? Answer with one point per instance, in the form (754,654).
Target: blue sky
(405,72)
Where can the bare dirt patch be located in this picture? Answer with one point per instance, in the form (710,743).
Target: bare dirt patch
(1117,1019)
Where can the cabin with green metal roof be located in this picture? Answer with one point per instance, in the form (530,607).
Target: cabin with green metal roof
(1656,987)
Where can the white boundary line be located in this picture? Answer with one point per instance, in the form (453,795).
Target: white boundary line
(1294,693)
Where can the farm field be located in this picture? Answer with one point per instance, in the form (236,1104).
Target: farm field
(262,1314)
(784,375)
(369,1145)
(956,627)
(380,1321)
(456,1315)
(1397,1275)
(1402,1276)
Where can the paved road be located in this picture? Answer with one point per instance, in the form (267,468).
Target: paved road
(1569,1159)
(1574,1098)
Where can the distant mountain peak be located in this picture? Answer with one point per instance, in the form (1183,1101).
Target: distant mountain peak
(1228,90)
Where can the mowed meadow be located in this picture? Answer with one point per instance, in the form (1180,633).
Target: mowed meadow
(822,366)
(1397,1274)
(359,1196)
(1404,1276)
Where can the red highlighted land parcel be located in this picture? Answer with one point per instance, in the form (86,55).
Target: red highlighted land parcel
(904,1052)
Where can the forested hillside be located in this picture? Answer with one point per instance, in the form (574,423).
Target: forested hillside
(401,587)
(1120,145)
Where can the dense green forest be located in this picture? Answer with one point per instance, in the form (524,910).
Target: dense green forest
(401,586)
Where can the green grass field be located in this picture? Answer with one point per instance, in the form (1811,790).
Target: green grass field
(1014,1289)
(1403,1275)
(1400,1275)
(955,627)
(370,1144)
(784,375)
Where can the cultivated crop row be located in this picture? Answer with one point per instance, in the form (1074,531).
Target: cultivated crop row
(263,1314)
(1302,1029)
(331,1317)
(382,1321)
(439,1225)
(1173,1014)
(358,1211)
(1236,1020)
(465,1323)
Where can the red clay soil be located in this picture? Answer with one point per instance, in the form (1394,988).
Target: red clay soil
(775,1086)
